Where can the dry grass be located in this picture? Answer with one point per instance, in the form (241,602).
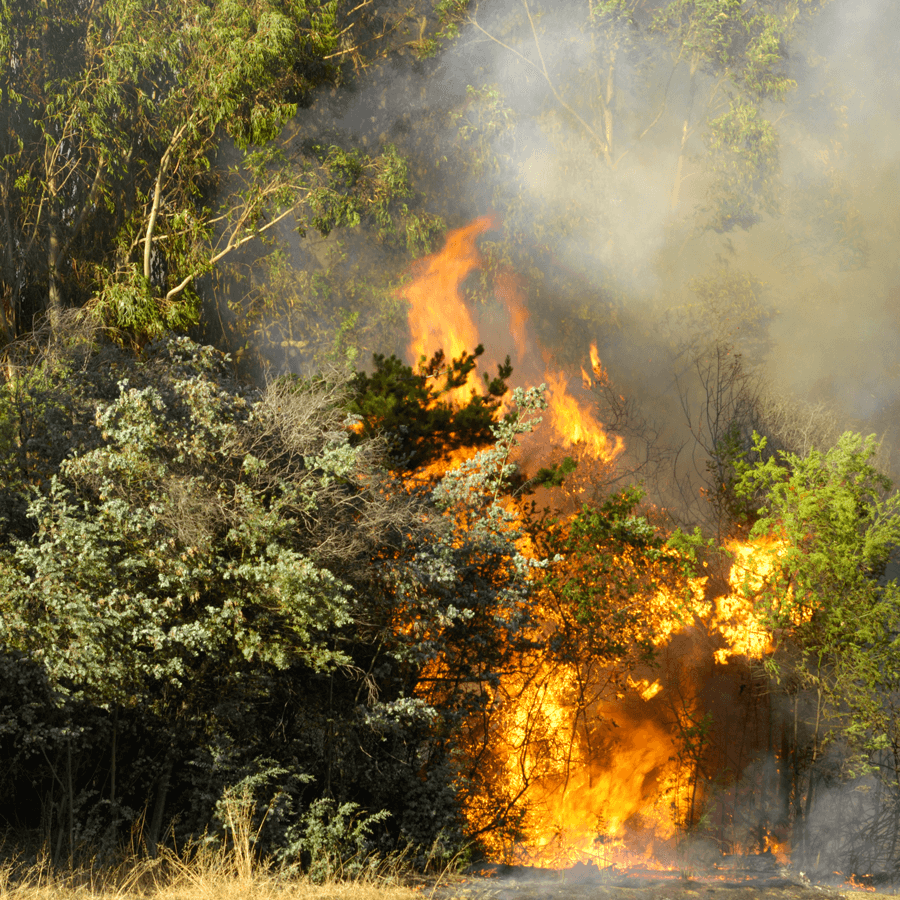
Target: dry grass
(203,872)
(203,876)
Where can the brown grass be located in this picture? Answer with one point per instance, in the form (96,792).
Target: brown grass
(202,876)
(202,872)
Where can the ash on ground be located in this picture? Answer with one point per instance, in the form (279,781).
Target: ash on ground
(737,877)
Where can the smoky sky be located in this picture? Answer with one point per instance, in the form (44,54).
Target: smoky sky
(825,263)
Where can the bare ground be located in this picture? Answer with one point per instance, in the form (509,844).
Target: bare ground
(586,884)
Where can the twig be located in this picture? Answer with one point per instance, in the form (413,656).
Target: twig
(542,71)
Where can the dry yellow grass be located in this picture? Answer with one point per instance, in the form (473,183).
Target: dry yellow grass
(202,872)
(209,877)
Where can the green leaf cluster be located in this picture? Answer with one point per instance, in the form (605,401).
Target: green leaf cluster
(415,411)
(832,521)
(204,584)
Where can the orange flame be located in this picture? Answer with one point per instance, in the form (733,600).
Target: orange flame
(596,365)
(600,794)
(438,317)
(737,618)
(575,424)
(591,791)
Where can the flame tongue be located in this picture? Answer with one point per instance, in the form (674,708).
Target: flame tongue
(439,319)
(574,423)
(438,316)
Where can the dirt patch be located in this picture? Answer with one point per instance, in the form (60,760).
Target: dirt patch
(594,885)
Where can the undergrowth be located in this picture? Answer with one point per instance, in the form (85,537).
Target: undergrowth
(221,870)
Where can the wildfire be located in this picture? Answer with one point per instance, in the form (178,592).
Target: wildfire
(438,316)
(603,775)
(575,425)
(597,368)
(593,762)
(596,792)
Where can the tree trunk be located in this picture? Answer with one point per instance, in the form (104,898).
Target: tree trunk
(71,799)
(54,243)
(685,131)
(61,831)
(159,806)
(112,765)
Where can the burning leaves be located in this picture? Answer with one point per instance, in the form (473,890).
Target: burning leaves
(597,743)
(743,627)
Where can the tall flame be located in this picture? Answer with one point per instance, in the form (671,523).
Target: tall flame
(438,316)
(589,790)
(439,319)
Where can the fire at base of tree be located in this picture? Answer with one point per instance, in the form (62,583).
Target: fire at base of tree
(639,617)
(325,598)
(672,694)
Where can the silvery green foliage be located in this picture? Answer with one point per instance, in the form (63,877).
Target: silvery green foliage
(207,584)
(332,840)
(168,541)
(478,533)
(481,478)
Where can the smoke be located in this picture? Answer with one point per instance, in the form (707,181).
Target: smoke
(590,144)
(826,262)
(603,225)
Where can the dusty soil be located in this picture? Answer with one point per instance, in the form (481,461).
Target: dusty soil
(587,884)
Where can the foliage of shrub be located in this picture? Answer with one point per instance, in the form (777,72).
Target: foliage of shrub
(204,584)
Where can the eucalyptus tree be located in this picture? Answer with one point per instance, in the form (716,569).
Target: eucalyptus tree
(139,149)
(736,58)
(615,77)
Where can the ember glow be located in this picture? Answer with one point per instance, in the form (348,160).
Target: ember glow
(599,762)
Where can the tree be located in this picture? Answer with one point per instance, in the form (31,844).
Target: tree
(173,562)
(138,150)
(742,48)
(830,522)
(411,410)
(206,586)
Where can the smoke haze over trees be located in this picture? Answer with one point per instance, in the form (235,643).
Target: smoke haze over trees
(255,571)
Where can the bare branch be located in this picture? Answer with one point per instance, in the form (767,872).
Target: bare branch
(542,71)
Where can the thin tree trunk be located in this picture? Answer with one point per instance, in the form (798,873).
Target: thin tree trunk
(159,806)
(8,320)
(157,197)
(61,831)
(54,297)
(685,132)
(679,168)
(54,243)
(112,765)
(71,803)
